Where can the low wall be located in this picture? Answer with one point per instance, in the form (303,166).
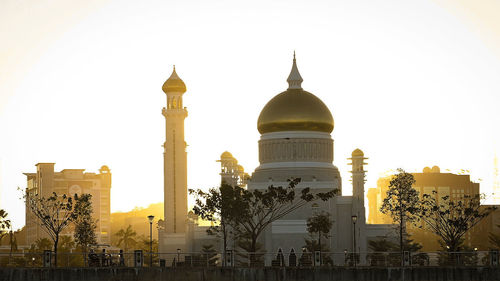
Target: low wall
(249,274)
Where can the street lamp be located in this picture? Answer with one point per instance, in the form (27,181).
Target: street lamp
(354,219)
(345,257)
(151,218)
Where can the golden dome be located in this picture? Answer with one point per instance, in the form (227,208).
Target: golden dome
(174,84)
(357,152)
(295,110)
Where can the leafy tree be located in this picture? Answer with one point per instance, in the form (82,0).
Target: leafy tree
(127,237)
(85,225)
(219,206)
(401,203)
(55,213)
(4,223)
(450,219)
(321,224)
(259,208)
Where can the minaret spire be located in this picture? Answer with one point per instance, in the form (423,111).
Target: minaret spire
(294,79)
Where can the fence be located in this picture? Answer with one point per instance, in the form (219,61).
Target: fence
(245,259)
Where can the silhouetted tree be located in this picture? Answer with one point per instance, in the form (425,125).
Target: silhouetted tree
(219,206)
(380,251)
(85,225)
(261,207)
(126,237)
(55,213)
(401,203)
(321,224)
(450,218)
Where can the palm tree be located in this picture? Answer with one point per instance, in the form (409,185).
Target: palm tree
(42,244)
(379,249)
(126,236)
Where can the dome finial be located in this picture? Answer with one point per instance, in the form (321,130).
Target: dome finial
(294,79)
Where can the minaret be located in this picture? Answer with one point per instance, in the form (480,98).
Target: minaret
(175,157)
(358,174)
(358,196)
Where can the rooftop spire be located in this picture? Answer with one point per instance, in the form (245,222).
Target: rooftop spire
(294,79)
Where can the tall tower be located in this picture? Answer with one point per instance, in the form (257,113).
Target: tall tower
(175,157)
(358,197)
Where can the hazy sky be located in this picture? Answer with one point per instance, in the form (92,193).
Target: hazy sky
(411,83)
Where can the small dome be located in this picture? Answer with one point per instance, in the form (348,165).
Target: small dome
(436,170)
(174,84)
(426,170)
(357,152)
(226,154)
(104,169)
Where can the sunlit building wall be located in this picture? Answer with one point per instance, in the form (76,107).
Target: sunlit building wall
(70,182)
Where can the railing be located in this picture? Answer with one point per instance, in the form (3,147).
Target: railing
(245,259)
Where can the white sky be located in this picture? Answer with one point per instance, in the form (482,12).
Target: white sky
(411,83)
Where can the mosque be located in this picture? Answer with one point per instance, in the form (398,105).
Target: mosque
(295,130)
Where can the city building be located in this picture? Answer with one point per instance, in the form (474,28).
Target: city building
(70,181)
(444,184)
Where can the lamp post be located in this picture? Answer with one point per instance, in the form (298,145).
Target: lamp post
(345,257)
(151,218)
(354,219)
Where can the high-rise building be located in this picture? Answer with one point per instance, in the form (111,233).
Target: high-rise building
(70,182)
(173,232)
(429,181)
